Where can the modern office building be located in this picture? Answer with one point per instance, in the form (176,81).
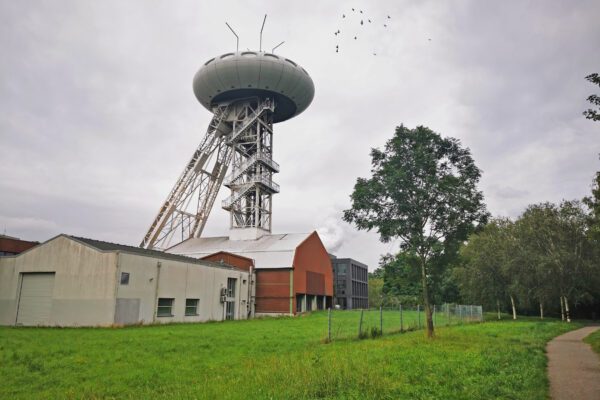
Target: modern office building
(350,283)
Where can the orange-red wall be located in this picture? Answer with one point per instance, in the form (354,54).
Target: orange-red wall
(272,291)
(312,258)
(232,259)
(15,246)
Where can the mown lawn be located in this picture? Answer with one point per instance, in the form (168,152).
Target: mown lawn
(283,358)
(594,341)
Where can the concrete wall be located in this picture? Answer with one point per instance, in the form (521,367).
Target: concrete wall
(180,281)
(88,291)
(84,285)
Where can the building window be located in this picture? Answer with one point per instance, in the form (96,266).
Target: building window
(231,283)
(124,278)
(191,307)
(230,305)
(165,307)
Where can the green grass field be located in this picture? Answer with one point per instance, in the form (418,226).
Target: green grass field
(284,358)
(594,341)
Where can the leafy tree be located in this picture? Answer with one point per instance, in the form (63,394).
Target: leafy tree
(593,204)
(558,234)
(401,282)
(377,273)
(423,191)
(488,272)
(594,115)
(375,292)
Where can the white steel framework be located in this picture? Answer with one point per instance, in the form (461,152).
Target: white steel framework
(240,134)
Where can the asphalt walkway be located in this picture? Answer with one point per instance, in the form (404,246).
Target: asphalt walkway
(573,367)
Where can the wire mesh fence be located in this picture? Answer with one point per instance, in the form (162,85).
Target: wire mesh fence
(350,324)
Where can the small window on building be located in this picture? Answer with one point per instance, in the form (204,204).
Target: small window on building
(124,278)
(231,287)
(165,308)
(191,307)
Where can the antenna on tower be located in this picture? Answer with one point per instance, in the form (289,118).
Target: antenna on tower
(237,44)
(261,30)
(273,51)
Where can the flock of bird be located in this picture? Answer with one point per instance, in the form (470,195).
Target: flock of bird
(362,22)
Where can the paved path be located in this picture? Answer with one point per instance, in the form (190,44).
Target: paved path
(573,367)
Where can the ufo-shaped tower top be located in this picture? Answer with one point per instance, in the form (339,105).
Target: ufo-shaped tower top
(234,76)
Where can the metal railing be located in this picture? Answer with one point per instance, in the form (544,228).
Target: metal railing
(248,162)
(239,129)
(244,187)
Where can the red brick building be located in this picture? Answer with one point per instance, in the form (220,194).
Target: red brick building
(10,246)
(293,271)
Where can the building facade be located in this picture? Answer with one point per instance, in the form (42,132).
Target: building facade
(351,283)
(10,246)
(70,281)
(293,271)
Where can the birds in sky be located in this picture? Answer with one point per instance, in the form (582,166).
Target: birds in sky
(359,19)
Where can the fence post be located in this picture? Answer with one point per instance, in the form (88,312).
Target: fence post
(401,327)
(329,325)
(459,312)
(381,319)
(419,315)
(447,314)
(360,323)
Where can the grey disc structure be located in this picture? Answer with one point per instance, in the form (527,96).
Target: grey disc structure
(247,92)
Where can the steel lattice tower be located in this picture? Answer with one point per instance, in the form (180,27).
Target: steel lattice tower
(247,92)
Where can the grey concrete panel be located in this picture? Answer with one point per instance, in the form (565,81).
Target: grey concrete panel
(82,312)
(127,311)
(7,311)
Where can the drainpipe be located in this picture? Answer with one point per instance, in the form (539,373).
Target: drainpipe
(117,283)
(250,300)
(156,286)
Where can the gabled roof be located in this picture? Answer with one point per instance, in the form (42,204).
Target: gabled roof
(268,251)
(108,246)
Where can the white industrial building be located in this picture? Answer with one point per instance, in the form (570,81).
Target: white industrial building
(70,281)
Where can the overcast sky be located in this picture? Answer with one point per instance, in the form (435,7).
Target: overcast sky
(98,117)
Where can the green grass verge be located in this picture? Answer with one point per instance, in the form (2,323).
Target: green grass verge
(282,358)
(594,341)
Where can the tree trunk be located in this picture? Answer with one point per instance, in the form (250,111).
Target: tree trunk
(498,307)
(514,308)
(562,309)
(567,309)
(428,316)
(541,310)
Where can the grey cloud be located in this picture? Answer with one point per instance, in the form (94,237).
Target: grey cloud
(97,115)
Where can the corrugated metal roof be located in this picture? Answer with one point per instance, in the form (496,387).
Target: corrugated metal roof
(269,251)
(108,246)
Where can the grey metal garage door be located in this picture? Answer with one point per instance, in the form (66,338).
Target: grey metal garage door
(35,300)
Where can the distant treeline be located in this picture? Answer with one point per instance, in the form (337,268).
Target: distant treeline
(546,262)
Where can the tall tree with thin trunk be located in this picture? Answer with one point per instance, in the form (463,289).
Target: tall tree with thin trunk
(490,272)
(423,191)
(559,236)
